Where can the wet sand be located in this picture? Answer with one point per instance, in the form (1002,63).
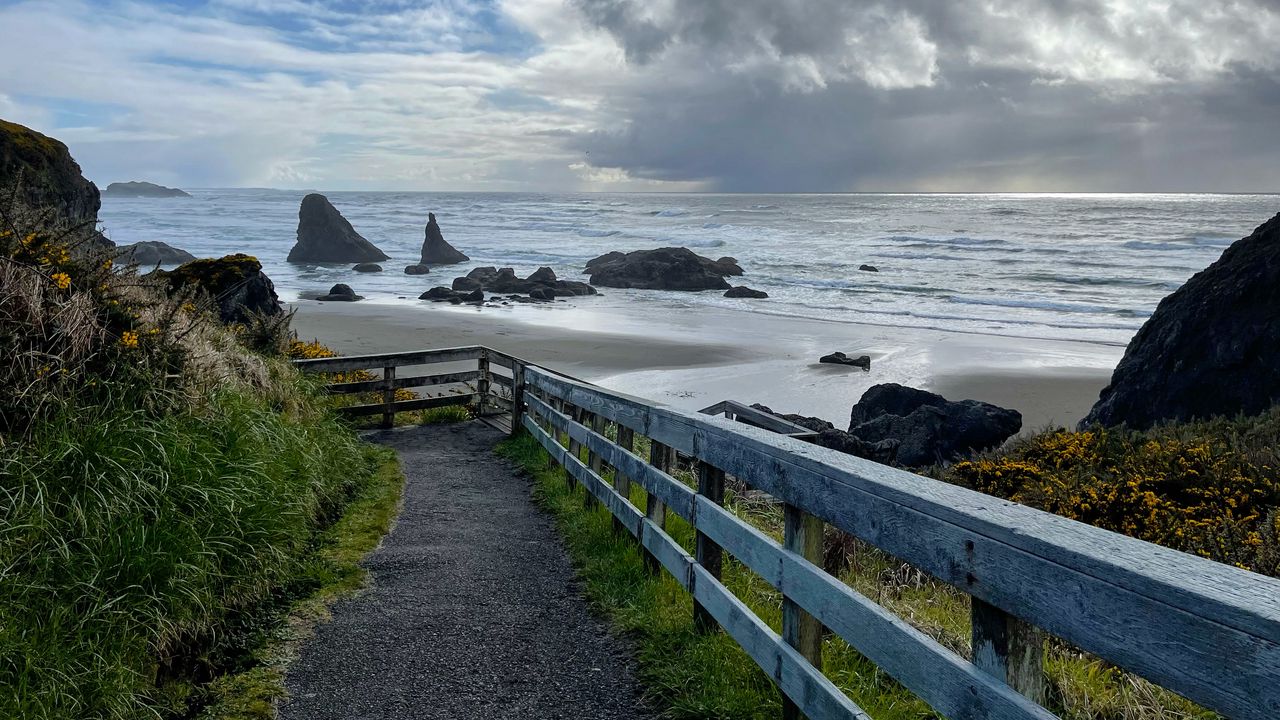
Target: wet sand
(692,359)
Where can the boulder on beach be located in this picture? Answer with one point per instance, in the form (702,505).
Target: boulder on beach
(46,177)
(367,268)
(926,428)
(136,189)
(340,293)
(670,268)
(152,252)
(1211,348)
(868,268)
(742,291)
(829,436)
(839,358)
(324,236)
(235,283)
(435,251)
(416,269)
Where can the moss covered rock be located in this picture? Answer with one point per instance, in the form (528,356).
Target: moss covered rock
(235,283)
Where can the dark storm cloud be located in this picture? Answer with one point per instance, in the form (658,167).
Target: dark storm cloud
(1040,94)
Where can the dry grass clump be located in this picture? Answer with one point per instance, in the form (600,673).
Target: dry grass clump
(71,322)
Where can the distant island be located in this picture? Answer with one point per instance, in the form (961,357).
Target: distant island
(135,189)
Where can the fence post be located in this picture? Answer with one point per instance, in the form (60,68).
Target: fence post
(517,396)
(708,554)
(594,461)
(482,385)
(1008,649)
(654,509)
(388,396)
(575,449)
(622,483)
(802,534)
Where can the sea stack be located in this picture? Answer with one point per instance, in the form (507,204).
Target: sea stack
(435,251)
(1210,348)
(324,236)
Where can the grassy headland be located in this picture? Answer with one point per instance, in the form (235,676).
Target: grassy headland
(169,486)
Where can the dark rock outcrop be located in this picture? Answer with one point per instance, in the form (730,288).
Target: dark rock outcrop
(505,280)
(437,293)
(324,236)
(727,266)
(367,268)
(829,436)
(839,358)
(435,251)
(868,268)
(152,252)
(926,427)
(341,293)
(417,269)
(466,284)
(135,189)
(235,283)
(47,177)
(1211,348)
(670,268)
(742,291)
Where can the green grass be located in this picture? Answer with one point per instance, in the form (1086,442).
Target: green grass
(690,675)
(334,571)
(686,674)
(142,552)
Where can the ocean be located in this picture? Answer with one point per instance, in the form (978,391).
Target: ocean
(1088,267)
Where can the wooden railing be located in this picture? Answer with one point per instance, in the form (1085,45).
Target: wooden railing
(464,387)
(1207,631)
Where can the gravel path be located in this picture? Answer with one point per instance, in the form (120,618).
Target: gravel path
(472,611)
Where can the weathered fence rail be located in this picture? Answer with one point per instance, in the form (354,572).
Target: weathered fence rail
(1205,630)
(467,387)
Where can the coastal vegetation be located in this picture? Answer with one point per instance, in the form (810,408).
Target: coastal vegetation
(170,487)
(1207,488)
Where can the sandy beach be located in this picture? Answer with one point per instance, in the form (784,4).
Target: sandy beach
(690,358)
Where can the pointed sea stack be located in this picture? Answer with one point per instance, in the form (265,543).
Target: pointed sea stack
(435,251)
(324,236)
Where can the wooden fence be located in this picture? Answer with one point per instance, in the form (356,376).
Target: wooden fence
(1205,630)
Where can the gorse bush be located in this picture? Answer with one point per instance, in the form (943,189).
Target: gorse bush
(160,482)
(1207,488)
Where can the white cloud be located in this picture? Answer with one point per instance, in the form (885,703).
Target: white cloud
(450,94)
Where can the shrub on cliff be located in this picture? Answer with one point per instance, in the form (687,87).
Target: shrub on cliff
(1207,488)
(159,482)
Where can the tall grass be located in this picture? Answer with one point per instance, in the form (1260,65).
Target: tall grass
(128,541)
(163,484)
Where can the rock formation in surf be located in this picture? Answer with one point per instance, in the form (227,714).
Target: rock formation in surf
(153,252)
(1211,348)
(435,250)
(135,189)
(324,236)
(670,268)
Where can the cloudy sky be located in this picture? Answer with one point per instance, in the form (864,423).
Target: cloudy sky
(734,95)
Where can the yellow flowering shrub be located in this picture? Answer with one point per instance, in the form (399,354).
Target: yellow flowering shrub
(1204,488)
(314,349)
